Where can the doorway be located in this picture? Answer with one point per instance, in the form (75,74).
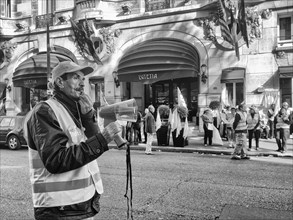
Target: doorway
(165,92)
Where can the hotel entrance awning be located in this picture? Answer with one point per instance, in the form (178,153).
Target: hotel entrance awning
(233,74)
(157,60)
(32,73)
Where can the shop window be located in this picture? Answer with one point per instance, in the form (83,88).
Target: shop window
(286,90)
(285,24)
(15,8)
(233,93)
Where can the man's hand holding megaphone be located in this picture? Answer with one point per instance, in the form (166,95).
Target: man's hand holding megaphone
(112,131)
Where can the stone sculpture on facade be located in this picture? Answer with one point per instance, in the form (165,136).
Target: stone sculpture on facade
(254,19)
(94,44)
(6,52)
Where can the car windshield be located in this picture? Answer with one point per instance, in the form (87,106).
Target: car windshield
(5,122)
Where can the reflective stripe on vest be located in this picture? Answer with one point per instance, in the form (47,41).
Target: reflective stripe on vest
(242,122)
(251,122)
(281,123)
(66,188)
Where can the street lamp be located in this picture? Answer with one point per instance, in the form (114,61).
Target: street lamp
(116,80)
(203,75)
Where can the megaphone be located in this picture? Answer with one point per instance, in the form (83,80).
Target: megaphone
(121,111)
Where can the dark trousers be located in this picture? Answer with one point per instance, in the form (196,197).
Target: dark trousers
(282,135)
(256,134)
(208,135)
(137,135)
(144,134)
(215,122)
(272,132)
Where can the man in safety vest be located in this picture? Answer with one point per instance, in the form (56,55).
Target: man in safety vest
(253,127)
(282,126)
(240,127)
(64,142)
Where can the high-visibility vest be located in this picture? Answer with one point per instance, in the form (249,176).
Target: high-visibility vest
(280,123)
(251,122)
(66,188)
(230,119)
(242,123)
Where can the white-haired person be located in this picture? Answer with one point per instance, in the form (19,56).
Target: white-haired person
(150,129)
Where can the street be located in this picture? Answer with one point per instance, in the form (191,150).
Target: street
(165,185)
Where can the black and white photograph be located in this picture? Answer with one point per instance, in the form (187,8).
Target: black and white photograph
(146,109)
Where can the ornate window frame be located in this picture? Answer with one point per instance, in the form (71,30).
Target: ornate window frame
(284,43)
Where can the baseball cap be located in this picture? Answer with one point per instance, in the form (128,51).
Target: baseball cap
(69,67)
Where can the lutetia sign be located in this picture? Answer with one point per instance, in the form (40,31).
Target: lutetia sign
(148,76)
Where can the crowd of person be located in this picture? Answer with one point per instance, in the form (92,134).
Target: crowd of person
(239,124)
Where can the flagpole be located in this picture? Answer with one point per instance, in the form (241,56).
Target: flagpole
(48,43)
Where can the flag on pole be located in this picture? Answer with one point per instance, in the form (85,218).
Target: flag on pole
(234,34)
(174,120)
(84,43)
(181,101)
(178,125)
(158,121)
(242,22)
(225,31)
(170,119)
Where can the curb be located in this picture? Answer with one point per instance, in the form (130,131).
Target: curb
(203,151)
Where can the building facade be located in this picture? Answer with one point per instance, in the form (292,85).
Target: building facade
(145,49)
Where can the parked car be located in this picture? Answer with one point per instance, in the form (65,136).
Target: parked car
(11,131)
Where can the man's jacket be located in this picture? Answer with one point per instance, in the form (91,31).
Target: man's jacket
(46,137)
(150,123)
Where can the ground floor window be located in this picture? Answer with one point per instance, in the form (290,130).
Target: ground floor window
(286,90)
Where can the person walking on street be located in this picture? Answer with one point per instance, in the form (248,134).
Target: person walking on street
(282,126)
(150,129)
(240,127)
(208,127)
(253,127)
(64,142)
(271,116)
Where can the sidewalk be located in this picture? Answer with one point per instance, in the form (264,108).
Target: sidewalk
(267,147)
